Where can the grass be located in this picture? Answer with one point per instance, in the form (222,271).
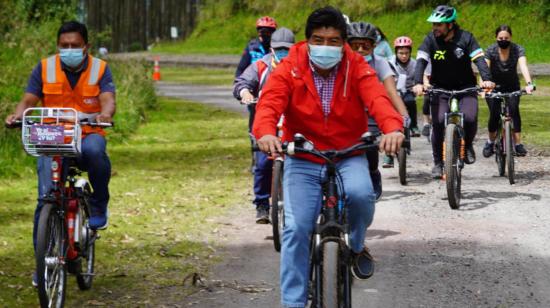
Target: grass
(167,181)
(199,75)
(225,27)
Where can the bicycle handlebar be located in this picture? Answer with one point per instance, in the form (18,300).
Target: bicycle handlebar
(433,90)
(505,94)
(85,122)
(367,142)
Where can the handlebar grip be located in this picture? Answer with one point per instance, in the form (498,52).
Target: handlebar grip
(16,124)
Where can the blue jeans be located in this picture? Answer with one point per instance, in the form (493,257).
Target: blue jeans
(302,188)
(262,178)
(95,161)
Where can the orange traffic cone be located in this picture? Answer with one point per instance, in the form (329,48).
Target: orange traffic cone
(156,70)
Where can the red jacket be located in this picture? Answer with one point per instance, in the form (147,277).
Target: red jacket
(291,91)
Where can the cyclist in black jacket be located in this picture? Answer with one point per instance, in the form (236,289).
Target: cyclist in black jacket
(258,47)
(451,51)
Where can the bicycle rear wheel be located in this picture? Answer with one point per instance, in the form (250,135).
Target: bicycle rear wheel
(499,155)
(452,168)
(51,268)
(85,272)
(277,205)
(509,148)
(331,284)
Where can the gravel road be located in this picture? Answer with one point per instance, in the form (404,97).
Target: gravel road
(492,252)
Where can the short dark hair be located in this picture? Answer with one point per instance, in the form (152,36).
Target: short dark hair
(73,26)
(503,28)
(324,18)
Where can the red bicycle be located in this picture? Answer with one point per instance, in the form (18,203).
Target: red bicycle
(65,242)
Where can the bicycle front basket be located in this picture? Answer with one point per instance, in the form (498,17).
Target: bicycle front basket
(51,132)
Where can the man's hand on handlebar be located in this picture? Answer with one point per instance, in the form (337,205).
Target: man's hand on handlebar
(487,85)
(418,89)
(104,118)
(391,143)
(12,118)
(270,144)
(247,97)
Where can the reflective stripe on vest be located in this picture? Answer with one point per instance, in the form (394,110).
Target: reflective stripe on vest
(51,70)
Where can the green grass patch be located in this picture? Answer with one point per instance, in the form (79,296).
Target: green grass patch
(167,181)
(199,75)
(225,26)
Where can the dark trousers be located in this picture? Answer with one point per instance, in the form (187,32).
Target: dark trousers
(410,103)
(494,113)
(440,106)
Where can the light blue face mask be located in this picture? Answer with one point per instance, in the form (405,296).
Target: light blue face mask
(72,57)
(325,57)
(368,58)
(280,54)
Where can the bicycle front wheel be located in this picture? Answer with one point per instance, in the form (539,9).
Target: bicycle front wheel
(277,205)
(509,147)
(330,277)
(85,273)
(50,258)
(452,167)
(402,158)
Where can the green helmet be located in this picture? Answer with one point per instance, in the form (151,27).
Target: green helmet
(443,14)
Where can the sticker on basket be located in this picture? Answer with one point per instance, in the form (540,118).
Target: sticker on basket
(47,134)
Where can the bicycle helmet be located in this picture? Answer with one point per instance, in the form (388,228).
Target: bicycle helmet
(266,22)
(443,14)
(361,30)
(402,41)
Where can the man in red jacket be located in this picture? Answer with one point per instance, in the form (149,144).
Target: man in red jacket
(323,88)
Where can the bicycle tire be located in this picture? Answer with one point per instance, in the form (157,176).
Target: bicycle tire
(84,276)
(509,151)
(452,169)
(277,205)
(51,239)
(500,158)
(402,158)
(330,288)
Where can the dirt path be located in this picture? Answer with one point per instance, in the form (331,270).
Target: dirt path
(493,252)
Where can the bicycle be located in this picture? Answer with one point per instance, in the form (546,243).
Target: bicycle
(251,105)
(504,144)
(454,147)
(330,253)
(65,242)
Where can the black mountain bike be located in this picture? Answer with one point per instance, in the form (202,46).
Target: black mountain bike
(504,144)
(454,147)
(330,253)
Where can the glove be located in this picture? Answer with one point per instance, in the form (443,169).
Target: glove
(406,121)
(530,88)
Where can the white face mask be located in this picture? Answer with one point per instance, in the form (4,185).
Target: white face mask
(325,57)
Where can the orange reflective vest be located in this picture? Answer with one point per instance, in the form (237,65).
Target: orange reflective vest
(84,97)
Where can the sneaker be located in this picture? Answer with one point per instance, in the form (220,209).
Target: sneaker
(437,171)
(470,155)
(520,150)
(34,280)
(363,264)
(488,149)
(376,178)
(262,214)
(426,130)
(415,132)
(99,221)
(388,162)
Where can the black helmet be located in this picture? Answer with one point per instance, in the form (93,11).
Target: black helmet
(361,30)
(443,14)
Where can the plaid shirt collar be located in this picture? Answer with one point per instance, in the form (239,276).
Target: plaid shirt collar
(324,86)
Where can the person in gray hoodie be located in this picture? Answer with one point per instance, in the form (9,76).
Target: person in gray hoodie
(247,88)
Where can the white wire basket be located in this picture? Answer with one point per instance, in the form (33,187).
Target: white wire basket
(51,132)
